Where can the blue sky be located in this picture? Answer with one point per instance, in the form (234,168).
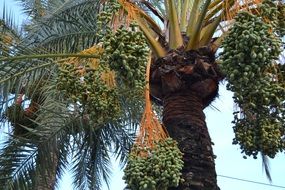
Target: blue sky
(229,160)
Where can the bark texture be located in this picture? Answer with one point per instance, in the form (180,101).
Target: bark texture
(185,121)
(46,180)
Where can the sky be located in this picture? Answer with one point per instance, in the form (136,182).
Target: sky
(229,161)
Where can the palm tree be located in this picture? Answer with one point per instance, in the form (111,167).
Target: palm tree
(76,76)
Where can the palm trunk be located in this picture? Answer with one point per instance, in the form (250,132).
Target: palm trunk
(46,180)
(185,121)
(184,83)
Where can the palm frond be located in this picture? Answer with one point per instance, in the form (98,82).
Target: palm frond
(91,161)
(17,163)
(10,34)
(266,167)
(90,144)
(8,24)
(122,138)
(175,37)
(153,8)
(14,76)
(93,147)
(69,28)
(35,151)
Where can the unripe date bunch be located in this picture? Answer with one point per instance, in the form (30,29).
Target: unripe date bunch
(125,51)
(264,135)
(105,15)
(159,169)
(281,18)
(274,13)
(90,91)
(249,59)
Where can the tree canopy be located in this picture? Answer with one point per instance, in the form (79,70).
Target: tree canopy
(79,75)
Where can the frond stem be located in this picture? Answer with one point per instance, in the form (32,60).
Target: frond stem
(48,56)
(23,72)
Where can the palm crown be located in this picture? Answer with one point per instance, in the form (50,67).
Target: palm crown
(72,83)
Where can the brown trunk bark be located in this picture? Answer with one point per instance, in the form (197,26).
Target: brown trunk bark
(185,121)
(46,180)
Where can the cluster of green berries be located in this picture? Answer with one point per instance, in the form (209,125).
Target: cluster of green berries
(249,59)
(90,91)
(263,135)
(274,13)
(105,15)
(158,168)
(126,51)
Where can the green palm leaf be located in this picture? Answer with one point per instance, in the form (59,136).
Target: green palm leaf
(70,28)
(17,163)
